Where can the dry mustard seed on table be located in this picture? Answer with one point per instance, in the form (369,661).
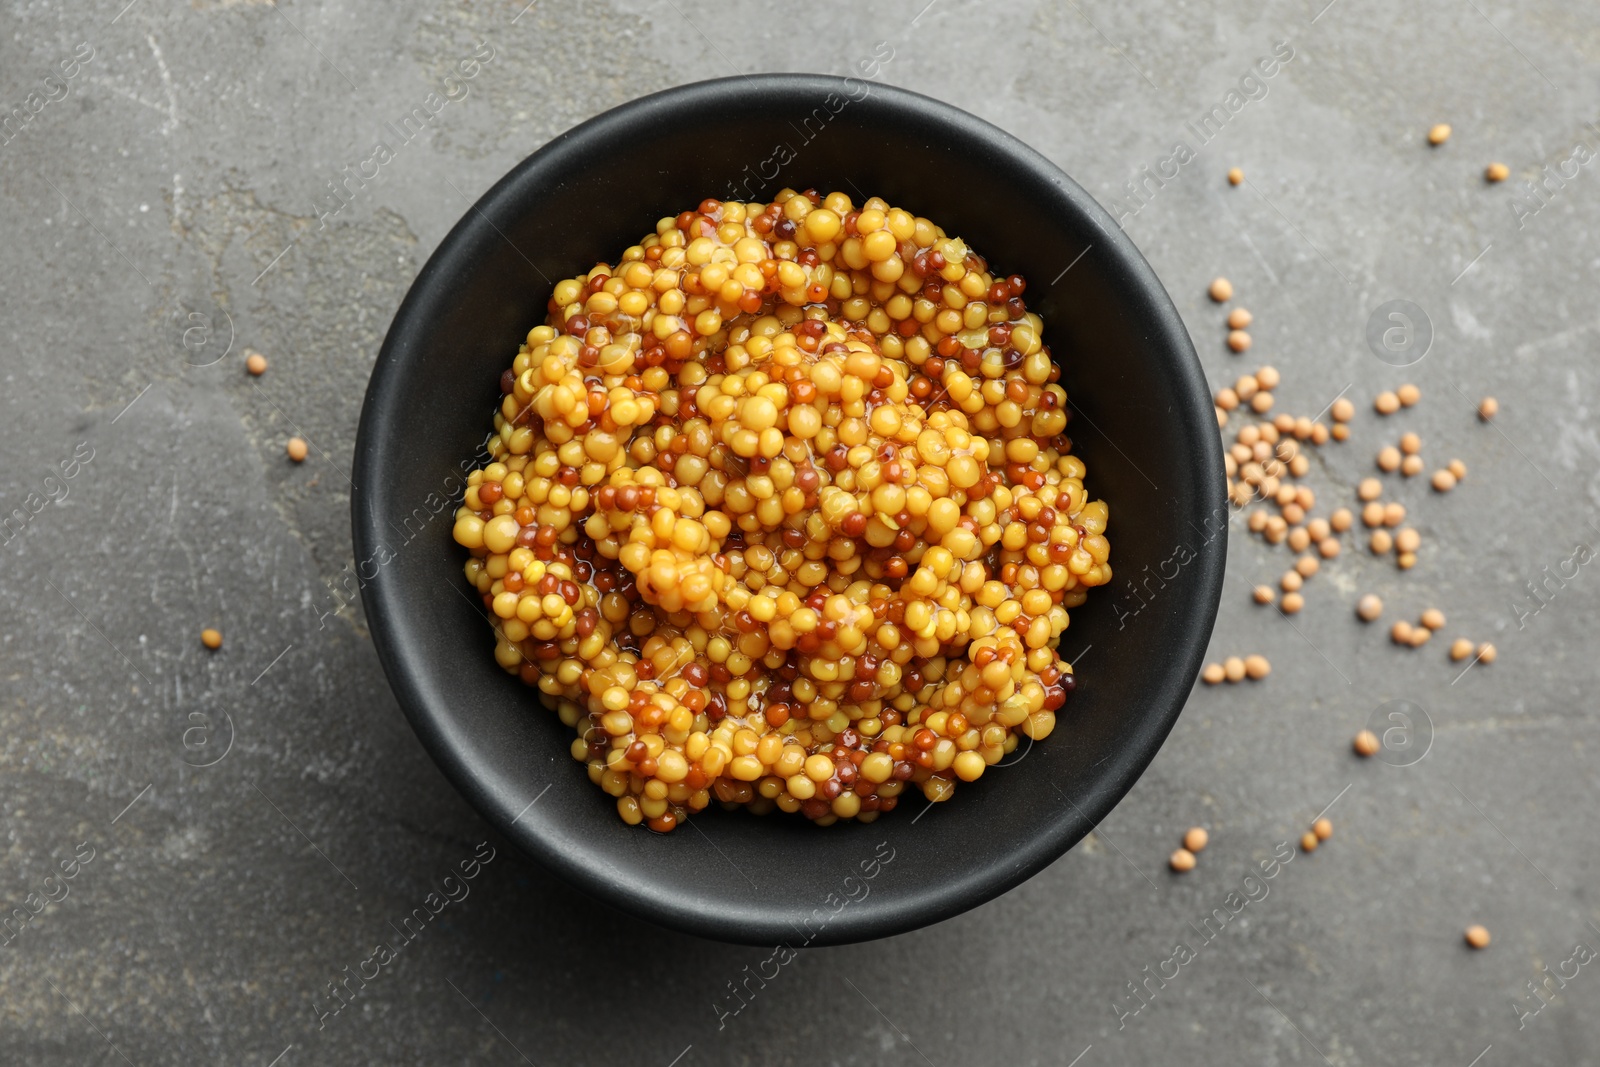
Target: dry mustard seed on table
(1457,469)
(1264,595)
(1181,860)
(1239,319)
(1369,489)
(1488,408)
(1328,547)
(1388,459)
(1261,403)
(1443,481)
(1196,839)
(1233,667)
(1408,395)
(1213,674)
(1405,560)
(1394,513)
(1433,619)
(1267,377)
(1291,581)
(1372,513)
(1256,667)
(1460,649)
(1238,340)
(1292,603)
(1369,607)
(1306,566)
(297,449)
(1299,539)
(1420,635)
(1496,172)
(1323,828)
(256,363)
(1410,444)
(1386,403)
(1439,134)
(1366,744)
(1227,399)
(1340,432)
(1380,542)
(1408,540)
(1308,842)
(1411,466)
(211,638)
(1486,653)
(1401,632)
(1342,410)
(1341,520)
(1221,290)
(761,534)
(1477,936)
(1246,387)
(1235,176)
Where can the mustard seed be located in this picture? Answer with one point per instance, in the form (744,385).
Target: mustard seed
(1410,444)
(1239,318)
(1369,607)
(1319,433)
(1486,653)
(1457,469)
(1213,674)
(1221,290)
(1267,377)
(1433,619)
(1306,566)
(1488,407)
(1264,595)
(1342,410)
(1407,540)
(1341,520)
(1477,936)
(1420,636)
(1380,542)
(1328,547)
(1439,134)
(1238,340)
(1292,581)
(1460,649)
(1369,489)
(1181,861)
(1227,399)
(1388,459)
(255,363)
(1246,387)
(1299,539)
(1411,466)
(1196,839)
(1386,403)
(1340,432)
(1261,402)
(1308,842)
(1323,828)
(1256,667)
(211,638)
(297,449)
(1372,513)
(1496,172)
(1233,668)
(1443,481)
(1394,513)
(1400,632)
(1366,744)
(1408,395)
(1292,603)
(1235,176)
(1405,560)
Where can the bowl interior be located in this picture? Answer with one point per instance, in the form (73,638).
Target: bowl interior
(1142,423)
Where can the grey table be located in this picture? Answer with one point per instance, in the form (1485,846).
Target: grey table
(170,200)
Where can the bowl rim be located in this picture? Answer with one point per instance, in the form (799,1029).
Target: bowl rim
(931,903)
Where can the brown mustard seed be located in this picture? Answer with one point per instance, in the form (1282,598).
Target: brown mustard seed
(1460,649)
(1400,633)
(1386,403)
(1380,542)
(1227,399)
(1323,828)
(1196,839)
(1291,581)
(1306,566)
(1439,134)
(1411,466)
(1488,407)
(1443,481)
(1369,489)
(1264,594)
(1341,520)
(297,449)
(1410,444)
(1408,540)
(211,638)
(1457,468)
(1342,410)
(1221,290)
(1486,653)
(1365,744)
(1433,619)
(1246,387)
(1340,432)
(1292,603)
(1420,635)
(1408,395)
(255,363)
(1388,459)
(1238,340)
(1309,842)
(1233,667)
(1235,176)
(1477,936)
(1369,607)
(1405,560)
(1261,402)
(1394,513)
(1328,547)
(1239,319)
(1181,860)
(1372,513)
(1496,172)
(1256,667)
(1213,674)
(1267,377)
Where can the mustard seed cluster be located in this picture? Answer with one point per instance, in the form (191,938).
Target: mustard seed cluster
(781,512)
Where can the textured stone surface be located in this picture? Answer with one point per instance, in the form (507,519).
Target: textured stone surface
(143,214)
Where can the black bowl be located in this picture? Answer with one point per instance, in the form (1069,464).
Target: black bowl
(1143,423)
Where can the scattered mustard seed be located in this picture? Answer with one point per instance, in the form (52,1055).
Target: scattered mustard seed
(1366,744)
(1340,432)
(1341,520)
(1292,603)
(1369,607)
(1443,481)
(1405,560)
(1460,649)
(1477,936)
(1238,340)
(1239,318)
(1410,444)
(255,363)
(1308,842)
(1433,619)
(1496,172)
(1486,653)
(1221,290)
(1381,542)
(1264,595)
(211,638)
(1407,540)
(1342,410)
(1233,668)
(1182,860)
(1457,468)
(1386,403)
(1323,828)
(1267,377)
(1196,839)
(1420,636)
(1261,403)
(1213,674)
(1372,513)
(1291,581)
(1256,667)
(1439,134)
(1388,459)
(1400,632)
(1394,513)
(1235,176)
(1408,395)
(1306,566)
(297,449)
(1488,407)
(1328,547)
(1369,489)
(1411,466)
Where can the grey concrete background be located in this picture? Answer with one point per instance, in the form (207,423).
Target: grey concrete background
(163,213)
